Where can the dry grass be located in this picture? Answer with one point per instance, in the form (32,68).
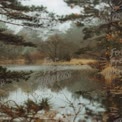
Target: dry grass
(41,61)
(110,73)
(74,62)
(17,61)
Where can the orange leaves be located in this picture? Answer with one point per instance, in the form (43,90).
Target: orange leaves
(114,36)
(120,40)
(110,37)
(116,8)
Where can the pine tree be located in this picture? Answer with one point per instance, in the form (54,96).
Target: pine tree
(13,12)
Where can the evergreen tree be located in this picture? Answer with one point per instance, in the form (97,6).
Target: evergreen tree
(13,12)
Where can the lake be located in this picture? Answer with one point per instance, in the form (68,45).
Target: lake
(61,84)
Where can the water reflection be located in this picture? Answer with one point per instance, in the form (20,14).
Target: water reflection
(60,89)
(62,101)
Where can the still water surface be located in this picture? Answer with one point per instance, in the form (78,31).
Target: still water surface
(58,83)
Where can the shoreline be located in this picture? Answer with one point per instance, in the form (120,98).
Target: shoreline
(46,63)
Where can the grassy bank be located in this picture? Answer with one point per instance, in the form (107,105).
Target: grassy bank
(46,62)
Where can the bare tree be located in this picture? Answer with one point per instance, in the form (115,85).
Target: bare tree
(57,48)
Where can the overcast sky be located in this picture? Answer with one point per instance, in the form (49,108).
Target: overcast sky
(57,6)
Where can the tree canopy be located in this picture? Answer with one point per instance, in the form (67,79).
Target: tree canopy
(13,12)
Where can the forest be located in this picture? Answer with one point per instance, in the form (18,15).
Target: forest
(60,61)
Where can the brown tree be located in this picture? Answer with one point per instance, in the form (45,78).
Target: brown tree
(57,48)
